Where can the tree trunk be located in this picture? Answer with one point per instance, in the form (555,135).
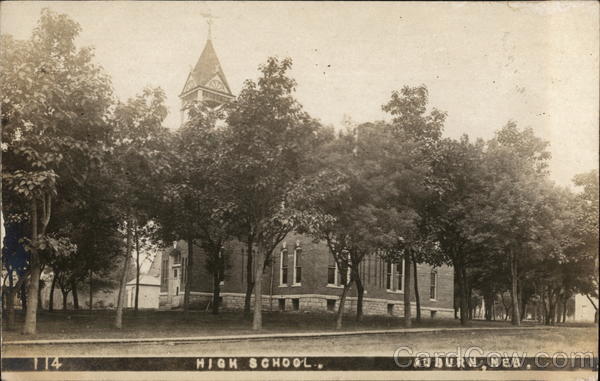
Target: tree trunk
(186,294)
(524,310)
(23,295)
(564,312)
(551,313)
(417,297)
(65,295)
(340,314)
(91,290)
(545,308)
(407,281)
(10,303)
(249,277)
(520,299)
(40,305)
(360,291)
(462,284)
(216,293)
(257,315)
(29,328)
(51,297)
(456,298)
(4,297)
(75,296)
(514,291)
(137,271)
(488,299)
(121,296)
(552,317)
(10,308)
(470,302)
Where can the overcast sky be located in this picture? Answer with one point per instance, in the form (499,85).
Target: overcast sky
(484,63)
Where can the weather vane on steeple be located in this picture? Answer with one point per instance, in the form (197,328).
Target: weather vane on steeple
(209,20)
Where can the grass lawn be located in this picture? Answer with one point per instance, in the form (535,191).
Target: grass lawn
(97,324)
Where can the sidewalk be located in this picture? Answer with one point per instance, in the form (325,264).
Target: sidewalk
(264,336)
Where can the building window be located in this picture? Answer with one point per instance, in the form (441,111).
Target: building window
(335,277)
(345,277)
(165,271)
(253,274)
(174,273)
(177,290)
(283,267)
(369,258)
(330,304)
(331,274)
(400,276)
(297,266)
(390,309)
(433,313)
(394,276)
(221,268)
(433,285)
(296,304)
(282,304)
(388,276)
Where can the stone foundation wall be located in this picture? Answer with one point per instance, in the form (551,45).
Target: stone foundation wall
(312,303)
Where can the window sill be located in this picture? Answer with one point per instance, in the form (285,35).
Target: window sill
(296,285)
(283,285)
(334,286)
(394,291)
(432,300)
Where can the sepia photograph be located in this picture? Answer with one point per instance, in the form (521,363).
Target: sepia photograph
(302,190)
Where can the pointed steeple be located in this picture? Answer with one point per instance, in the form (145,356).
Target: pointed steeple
(206,81)
(207,68)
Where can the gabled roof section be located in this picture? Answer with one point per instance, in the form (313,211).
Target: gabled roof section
(154,269)
(207,67)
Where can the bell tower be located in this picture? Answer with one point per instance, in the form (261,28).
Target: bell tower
(206,81)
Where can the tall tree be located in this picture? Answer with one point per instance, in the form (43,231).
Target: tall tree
(460,180)
(338,205)
(517,166)
(53,115)
(195,204)
(268,143)
(139,161)
(587,223)
(411,122)
(15,260)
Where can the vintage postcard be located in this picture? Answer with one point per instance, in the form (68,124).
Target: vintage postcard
(299,190)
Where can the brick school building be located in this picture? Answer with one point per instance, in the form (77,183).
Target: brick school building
(302,275)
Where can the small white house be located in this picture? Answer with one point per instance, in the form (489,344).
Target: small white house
(148,294)
(584,309)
